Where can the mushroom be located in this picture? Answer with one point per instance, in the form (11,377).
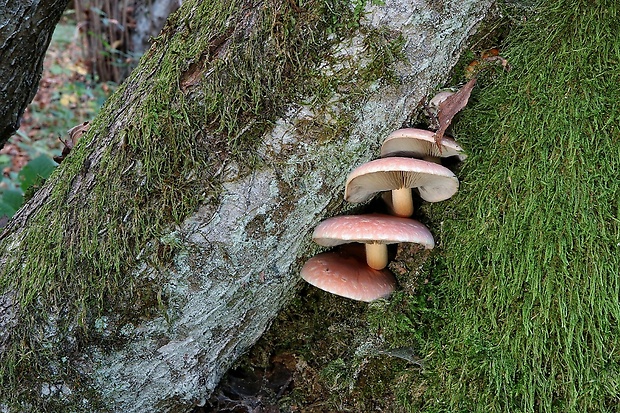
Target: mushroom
(420,143)
(375,231)
(433,104)
(432,108)
(397,174)
(345,273)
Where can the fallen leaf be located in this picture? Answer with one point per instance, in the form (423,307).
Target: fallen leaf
(472,69)
(69,100)
(450,107)
(487,60)
(75,133)
(116,44)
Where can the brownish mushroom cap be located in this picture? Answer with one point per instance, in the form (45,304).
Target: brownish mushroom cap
(397,174)
(373,230)
(420,143)
(345,273)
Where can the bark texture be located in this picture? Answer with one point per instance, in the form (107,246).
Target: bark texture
(231,263)
(150,18)
(26,28)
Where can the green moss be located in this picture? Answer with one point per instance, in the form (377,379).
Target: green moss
(206,78)
(518,311)
(531,281)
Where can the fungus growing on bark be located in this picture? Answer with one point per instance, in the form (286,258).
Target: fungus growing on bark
(345,273)
(373,230)
(397,174)
(420,143)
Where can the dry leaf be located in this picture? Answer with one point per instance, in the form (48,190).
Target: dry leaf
(450,107)
(75,133)
(489,53)
(116,44)
(487,59)
(472,69)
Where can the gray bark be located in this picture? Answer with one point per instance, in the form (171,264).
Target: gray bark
(239,260)
(26,28)
(150,17)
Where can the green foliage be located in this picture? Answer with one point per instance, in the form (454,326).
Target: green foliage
(10,201)
(69,104)
(9,177)
(30,178)
(35,172)
(67,96)
(65,99)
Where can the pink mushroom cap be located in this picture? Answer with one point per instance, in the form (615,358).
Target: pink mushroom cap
(372,228)
(346,274)
(434,182)
(419,143)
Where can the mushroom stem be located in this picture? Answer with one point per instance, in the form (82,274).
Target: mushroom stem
(402,202)
(376,255)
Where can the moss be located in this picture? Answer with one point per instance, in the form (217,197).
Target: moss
(533,277)
(531,310)
(342,360)
(208,77)
(325,334)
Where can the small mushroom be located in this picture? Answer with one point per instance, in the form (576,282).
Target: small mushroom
(420,143)
(346,274)
(432,108)
(373,230)
(398,174)
(433,104)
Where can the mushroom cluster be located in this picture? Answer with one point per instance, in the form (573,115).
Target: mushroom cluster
(410,159)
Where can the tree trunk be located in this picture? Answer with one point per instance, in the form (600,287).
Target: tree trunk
(115,33)
(26,28)
(172,235)
(150,17)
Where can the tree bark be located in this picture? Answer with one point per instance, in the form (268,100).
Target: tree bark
(150,18)
(26,28)
(168,240)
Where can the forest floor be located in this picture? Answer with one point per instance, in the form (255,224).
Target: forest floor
(517,309)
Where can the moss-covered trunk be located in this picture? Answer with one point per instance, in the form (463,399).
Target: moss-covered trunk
(169,239)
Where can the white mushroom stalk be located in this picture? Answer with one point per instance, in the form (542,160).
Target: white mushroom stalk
(402,202)
(376,255)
